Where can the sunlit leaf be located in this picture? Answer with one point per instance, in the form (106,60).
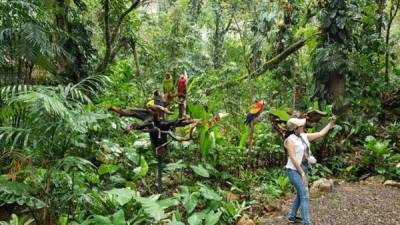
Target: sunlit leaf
(200,170)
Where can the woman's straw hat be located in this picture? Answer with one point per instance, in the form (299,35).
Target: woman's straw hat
(293,123)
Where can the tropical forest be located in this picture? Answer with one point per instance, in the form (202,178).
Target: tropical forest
(199,112)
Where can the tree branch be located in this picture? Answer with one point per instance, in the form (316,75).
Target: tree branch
(270,64)
(107,24)
(142,114)
(112,47)
(186,138)
(134,5)
(227,26)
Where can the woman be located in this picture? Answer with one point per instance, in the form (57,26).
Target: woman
(297,144)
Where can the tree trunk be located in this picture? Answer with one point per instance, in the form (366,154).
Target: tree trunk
(219,35)
(217,54)
(392,14)
(114,41)
(379,20)
(195,9)
(336,86)
(61,20)
(287,20)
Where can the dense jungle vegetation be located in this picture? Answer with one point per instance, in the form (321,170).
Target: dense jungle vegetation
(66,65)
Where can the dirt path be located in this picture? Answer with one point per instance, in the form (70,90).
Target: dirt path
(350,204)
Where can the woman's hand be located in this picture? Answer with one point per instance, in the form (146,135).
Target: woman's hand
(305,180)
(333,119)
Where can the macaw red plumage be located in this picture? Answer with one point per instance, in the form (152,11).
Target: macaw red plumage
(182,85)
(254,112)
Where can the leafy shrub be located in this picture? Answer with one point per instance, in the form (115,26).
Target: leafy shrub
(19,193)
(15,220)
(318,171)
(380,158)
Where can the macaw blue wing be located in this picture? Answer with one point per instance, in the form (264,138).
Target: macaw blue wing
(249,117)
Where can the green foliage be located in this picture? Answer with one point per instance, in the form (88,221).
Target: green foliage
(380,157)
(281,114)
(118,205)
(200,170)
(117,218)
(319,171)
(107,168)
(18,193)
(275,185)
(204,205)
(15,220)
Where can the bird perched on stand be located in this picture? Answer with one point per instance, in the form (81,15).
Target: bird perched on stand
(168,85)
(182,83)
(255,111)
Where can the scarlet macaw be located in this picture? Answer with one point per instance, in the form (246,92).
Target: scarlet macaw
(254,112)
(182,85)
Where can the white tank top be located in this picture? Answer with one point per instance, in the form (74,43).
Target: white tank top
(298,147)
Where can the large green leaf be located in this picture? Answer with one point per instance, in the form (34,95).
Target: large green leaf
(119,218)
(15,220)
(209,193)
(198,112)
(102,220)
(282,114)
(166,203)
(213,217)
(107,168)
(380,148)
(142,169)
(142,144)
(152,208)
(205,141)
(189,200)
(394,158)
(196,219)
(170,167)
(18,193)
(122,195)
(200,170)
(230,208)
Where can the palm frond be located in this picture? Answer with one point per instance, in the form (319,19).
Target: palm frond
(51,104)
(50,112)
(81,121)
(13,90)
(13,136)
(93,84)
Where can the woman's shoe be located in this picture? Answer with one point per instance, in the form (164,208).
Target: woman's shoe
(295,219)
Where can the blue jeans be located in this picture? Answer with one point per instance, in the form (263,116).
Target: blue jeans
(301,199)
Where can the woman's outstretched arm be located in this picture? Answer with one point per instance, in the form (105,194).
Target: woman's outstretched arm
(324,131)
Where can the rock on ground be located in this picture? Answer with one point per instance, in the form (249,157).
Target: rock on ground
(350,204)
(322,185)
(392,183)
